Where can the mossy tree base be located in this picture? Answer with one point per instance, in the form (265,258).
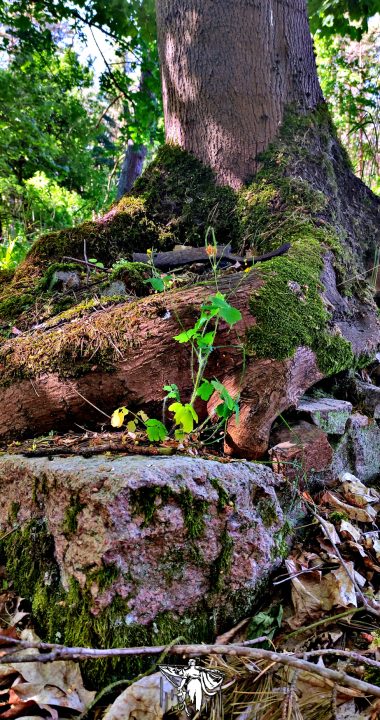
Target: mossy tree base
(307,315)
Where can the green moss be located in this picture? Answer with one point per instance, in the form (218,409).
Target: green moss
(222,564)
(11,307)
(223,496)
(194,510)
(14,511)
(281,541)
(47,281)
(67,616)
(290,312)
(267,511)
(148,500)
(181,195)
(133,274)
(70,521)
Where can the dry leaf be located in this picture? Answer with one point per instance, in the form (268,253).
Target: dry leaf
(347,528)
(365,515)
(142,700)
(359,494)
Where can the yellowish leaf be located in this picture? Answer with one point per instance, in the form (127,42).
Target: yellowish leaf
(118,416)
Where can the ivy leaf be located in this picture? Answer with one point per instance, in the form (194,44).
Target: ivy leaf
(230,314)
(184,415)
(118,416)
(205,390)
(155,430)
(131,426)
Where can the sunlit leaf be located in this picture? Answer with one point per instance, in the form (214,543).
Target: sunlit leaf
(184,415)
(118,416)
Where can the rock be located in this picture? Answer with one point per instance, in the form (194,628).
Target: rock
(301,449)
(65,280)
(358,451)
(136,549)
(117,287)
(329,414)
(368,396)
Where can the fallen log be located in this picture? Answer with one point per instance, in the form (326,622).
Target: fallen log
(190,255)
(125,354)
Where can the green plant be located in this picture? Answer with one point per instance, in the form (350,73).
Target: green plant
(201,338)
(158,281)
(266,623)
(155,429)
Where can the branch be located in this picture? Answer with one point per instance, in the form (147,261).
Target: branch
(177,258)
(59,652)
(86,263)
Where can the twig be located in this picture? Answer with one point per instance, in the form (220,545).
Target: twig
(125,448)
(89,402)
(350,654)
(53,652)
(86,263)
(118,97)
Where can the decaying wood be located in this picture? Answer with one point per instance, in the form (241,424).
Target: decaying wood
(190,255)
(51,376)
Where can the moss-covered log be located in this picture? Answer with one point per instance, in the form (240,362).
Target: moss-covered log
(125,354)
(306,315)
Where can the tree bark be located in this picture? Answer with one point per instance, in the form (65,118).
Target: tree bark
(229,70)
(63,376)
(131,169)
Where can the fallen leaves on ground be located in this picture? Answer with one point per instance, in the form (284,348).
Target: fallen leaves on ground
(147,699)
(32,687)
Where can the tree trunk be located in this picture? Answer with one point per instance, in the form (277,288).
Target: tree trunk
(229,71)
(131,169)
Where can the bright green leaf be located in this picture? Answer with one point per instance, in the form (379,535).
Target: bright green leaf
(155,430)
(205,390)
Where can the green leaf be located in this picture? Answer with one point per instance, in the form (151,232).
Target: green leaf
(206,340)
(230,314)
(172,391)
(184,416)
(185,336)
(156,283)
(205,390)
(155,430)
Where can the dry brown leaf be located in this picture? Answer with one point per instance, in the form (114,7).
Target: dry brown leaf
(236,634)
(365,515)
(353,532)
(142,700)
(359,494)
